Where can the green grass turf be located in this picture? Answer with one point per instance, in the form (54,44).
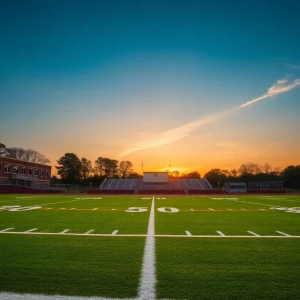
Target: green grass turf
(228,269)
(71,265)
(105,220)
(187,268)
(235,222)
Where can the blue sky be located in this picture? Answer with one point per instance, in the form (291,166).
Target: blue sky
(101,77)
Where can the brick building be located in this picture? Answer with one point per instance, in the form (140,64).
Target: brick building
(24,173)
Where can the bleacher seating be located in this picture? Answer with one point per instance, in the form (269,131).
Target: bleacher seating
(115,184)
(174,186)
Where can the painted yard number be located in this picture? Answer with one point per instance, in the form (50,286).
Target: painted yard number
(175,210)
(18,208)
(130,209)
(295,210)
(161,209)
(168,210)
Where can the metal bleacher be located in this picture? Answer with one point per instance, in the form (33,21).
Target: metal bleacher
(121,184)
(175,185)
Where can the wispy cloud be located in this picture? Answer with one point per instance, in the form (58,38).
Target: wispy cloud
(295,67)
(180,132)
(280,86)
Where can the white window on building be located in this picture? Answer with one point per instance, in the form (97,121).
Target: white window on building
(36,172)
(47,174)
(42,173)
(7,168)
(23,171)
(29,171)
(16,170)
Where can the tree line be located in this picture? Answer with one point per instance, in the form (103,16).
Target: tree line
(73,170)
(290,175)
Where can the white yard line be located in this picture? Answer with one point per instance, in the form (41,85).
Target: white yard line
(73,234)
(253,233)
(64,231)
(90,231)
(13,296)
(29,197)
(188,233)
(46,203)
(285,234)
(256,203)
(6,229)
(148,276)
(145,235)
(95,208)
(271,206)
(211,209)
(20,199)
(62,202)
(30,230)
(220,233)
(229,236)
(114,232)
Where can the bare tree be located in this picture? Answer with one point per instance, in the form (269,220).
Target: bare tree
(277,171)
(106,166)
(3,150)
(234,173)
(16,152)
(249,168)
(225,172)
(266,168)
(27,155)
(125,168)
(86,167)
(40,158)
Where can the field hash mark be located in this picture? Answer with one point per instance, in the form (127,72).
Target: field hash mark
(285,234)
(220,233)
(253,233)
(6,229)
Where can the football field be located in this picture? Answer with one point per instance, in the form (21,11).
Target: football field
(145,247)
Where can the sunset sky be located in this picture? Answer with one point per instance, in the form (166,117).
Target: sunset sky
(202,84)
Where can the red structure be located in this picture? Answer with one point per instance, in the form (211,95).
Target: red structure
(22,173)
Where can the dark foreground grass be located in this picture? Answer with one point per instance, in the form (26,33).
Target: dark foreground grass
(71,265)
(228,269)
